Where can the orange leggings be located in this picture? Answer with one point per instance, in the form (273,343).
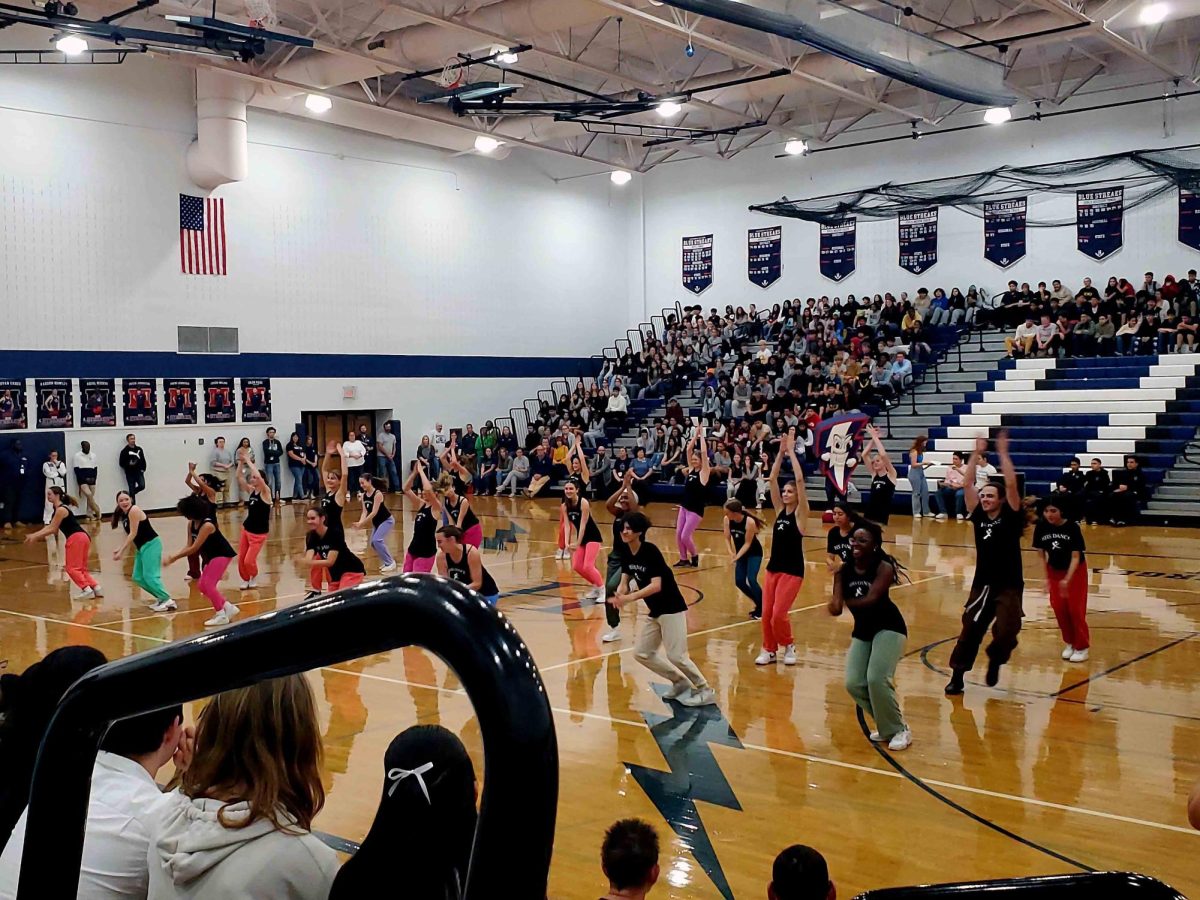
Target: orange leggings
(779,593)
(76,562)
(249,546)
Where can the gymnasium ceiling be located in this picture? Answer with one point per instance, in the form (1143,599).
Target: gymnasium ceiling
(1058,53)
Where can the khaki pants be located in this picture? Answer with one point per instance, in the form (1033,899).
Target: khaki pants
(88,493)
(1026,345)
(669,632)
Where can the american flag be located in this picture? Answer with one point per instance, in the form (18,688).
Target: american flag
(201,235)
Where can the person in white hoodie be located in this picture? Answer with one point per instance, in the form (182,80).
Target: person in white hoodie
(239,824)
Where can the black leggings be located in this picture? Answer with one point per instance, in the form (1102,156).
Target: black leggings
(612,581)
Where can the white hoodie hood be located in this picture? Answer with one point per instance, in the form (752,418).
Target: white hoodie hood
(192,840)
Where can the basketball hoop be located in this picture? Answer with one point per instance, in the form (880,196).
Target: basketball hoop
(261,13)
(452,72)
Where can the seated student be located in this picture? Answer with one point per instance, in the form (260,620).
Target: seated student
(240,823)
(125,805)
(1128,492)
(425,825)
(800,873)
(951,496)
(27,701)
(629,858)
(1096,490)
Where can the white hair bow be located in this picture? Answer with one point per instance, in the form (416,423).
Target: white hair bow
(397,775)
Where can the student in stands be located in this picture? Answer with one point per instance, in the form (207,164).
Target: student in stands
(124,807)
(1128,492)
(1021,343)
(800,873)
(27,701)
(1106,335)
(950,491)
(1096,490)
(629,858)
(240,823)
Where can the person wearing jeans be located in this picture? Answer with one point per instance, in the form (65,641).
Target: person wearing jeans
(517,477)
(296,465)
(916,478)
(272,454)
(385,445)
(741,534)
(133,463)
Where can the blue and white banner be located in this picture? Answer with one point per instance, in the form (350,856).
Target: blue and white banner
(698,263)
(139,401)
(256,399)
(97,402)
(918,240)
(219,405)
(13,415)
(764,255)
(181,401)
(839,245)
(1004,231)
(1189,219)
(1099,218)
(55,406)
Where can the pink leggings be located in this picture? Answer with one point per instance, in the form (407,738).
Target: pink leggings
(584,563)
(473,536)
(77,548)
(563,528)
(210,577)
(422,565)
(685,527)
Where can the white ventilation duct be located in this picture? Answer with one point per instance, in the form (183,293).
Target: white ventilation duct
(218,155)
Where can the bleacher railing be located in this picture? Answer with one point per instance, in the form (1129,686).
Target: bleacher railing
(1085,886)
(515,832)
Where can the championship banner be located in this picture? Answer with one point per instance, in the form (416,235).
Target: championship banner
(55,408)
(1189,219)
(839,246)
(698,263)
(1004,231)
(97,402)
(919,240)
(1099,221)
(181,401)
(764,255)
(12,404)
(219,401)
(140,401)
(256,399)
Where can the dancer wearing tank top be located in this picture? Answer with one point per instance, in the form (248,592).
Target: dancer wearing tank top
(378,518)
(215,557)
(463,563)
(458,509)
(331,504)
(623,502)
(147,559)
(785,568)
(422,548)
(838,541)
(691,507)
(863,584)
(883,479)
(587,541)
(208,487)
(257,524)
(579,476)
(325,548)
(998,588)
(741,534)
(78,542)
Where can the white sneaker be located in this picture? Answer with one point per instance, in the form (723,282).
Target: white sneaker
(1079,656)
(221,618)
(876,737)
(594,594)
(253,582)
(609,636)
(87,594)
(164,605)
(230,610)
(902,741)
(960,517)
(1067,651)
(389,568)
(765,658)
(678,689)
(917,516)
(789,655)
(703,697)
(97,591)
(940,516)
(246,585)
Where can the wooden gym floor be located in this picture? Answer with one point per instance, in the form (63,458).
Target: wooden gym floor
(1063,768)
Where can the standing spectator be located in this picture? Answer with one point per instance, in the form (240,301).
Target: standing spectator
(14,468)
(385,446)
(368,442)
(440,441)
(54,471)
(518,475)
(355,454)
(133,463)
(221,464)
(85,467)
(916,477)
(312,470)
(629,858)
(295,457)
(800,873)
(272,454)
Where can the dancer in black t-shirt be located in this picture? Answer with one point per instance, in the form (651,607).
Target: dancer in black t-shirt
(645,575)
(1060,543)
(999,584)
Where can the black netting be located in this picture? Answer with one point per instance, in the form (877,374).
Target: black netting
(1145,174)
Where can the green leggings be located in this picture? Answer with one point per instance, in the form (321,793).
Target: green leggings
(147,569)
(870,679)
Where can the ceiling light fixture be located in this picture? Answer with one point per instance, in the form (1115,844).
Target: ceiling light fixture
(1153,13)
(669,108)
(318,103)
(71,45)
(506,57)
(486,144)
(620,177)
(997,115)
(795,147)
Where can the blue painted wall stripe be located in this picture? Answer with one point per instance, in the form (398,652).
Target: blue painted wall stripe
(159,364)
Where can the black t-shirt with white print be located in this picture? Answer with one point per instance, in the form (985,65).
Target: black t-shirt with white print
(998,547)
(1059,542)
(646,564)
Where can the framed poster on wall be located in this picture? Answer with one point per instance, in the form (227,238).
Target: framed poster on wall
(13,413)
(55,407)
(256,399)
(97,402)
(139,399)
(219,403)
(181,401)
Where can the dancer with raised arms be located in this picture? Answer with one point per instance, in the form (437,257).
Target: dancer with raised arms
(785,568)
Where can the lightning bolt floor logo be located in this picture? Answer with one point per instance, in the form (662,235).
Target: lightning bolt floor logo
(684,739)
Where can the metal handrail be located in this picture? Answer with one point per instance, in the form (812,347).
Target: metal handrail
(515,833)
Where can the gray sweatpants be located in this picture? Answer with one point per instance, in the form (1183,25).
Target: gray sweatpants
(670,633)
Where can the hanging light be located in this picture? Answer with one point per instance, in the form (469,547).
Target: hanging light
(486,144)
(795,147)
(997,115)
(506,57)
(71,45)
(1153,13)
(318,103)
(620,177)
(669,108)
